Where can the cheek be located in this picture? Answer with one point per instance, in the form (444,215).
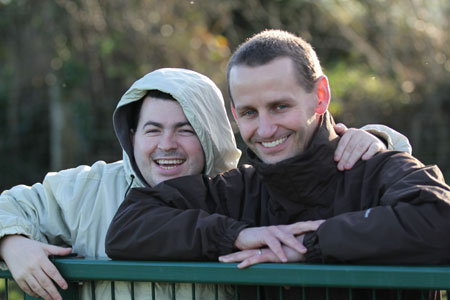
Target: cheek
(194,150)
(144,147)
(246,129)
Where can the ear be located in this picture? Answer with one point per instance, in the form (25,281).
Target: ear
(233,111)
(323,94)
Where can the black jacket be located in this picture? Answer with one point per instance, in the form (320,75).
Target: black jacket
(390,209)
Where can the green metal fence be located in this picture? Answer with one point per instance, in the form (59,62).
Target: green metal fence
(352,277)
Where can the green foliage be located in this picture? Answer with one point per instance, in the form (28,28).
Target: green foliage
(359,96)
(14,293)
(388,62)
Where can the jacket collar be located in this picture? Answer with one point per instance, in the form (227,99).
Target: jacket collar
(301,178)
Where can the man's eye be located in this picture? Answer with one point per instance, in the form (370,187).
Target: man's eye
(187,131)
(248,113)
(151,131)
(281,106)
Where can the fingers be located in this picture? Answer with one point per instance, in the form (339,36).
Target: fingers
(354,145)
(26,288)
(265,256)
(303,227)
(38,283)
(239,256)
(341,147)
(340,128)
(46,284)
(250,257)
(284,235)
(55,250)
(373,149)
(34,286)
(51,272)
(29,265)
(44,287)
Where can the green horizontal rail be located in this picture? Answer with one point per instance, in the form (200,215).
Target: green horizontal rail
(352,276)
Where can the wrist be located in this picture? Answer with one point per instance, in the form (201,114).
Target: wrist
(6,240)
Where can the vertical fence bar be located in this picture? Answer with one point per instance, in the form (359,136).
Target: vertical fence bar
(236,292)
(303,293)
(113,291)
(6,289)
(258,292)
(153,291)
(132,290)
(374,294)
(193,291)
(327,293)
(93,289)
(173,292)
(350,294)
(216,292)
(280,296)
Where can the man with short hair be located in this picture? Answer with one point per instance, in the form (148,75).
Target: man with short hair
(170,123)
(293,204)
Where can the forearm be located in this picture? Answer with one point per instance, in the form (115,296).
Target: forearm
(18,212)
(151,230)
(403,234)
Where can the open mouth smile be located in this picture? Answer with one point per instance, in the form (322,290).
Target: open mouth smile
(169,164)
(274,143)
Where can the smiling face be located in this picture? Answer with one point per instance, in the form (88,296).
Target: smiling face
(165,145)
(275,115)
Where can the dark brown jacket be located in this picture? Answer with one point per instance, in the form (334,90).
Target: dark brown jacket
(390,209)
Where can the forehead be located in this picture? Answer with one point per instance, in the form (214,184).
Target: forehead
(162,111)
(273,81)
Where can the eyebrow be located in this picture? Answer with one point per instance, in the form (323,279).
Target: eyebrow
(271,103)
(159,125)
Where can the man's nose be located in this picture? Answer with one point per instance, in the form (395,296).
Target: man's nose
(266,126)
(167,142)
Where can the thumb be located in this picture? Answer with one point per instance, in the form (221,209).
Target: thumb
(340,128)
(55,250)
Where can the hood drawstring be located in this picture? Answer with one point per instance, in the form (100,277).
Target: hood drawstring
(129,186)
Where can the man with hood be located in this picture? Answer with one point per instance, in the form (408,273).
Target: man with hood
(74,207)
(292,203)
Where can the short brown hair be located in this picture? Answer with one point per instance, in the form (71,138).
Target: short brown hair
(268,45)
(135,107)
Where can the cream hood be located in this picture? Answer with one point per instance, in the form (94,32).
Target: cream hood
(203,105)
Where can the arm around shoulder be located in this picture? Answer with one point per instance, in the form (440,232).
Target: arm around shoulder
(394,139)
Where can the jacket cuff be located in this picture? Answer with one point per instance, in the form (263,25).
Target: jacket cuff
(311,242)
(229,236)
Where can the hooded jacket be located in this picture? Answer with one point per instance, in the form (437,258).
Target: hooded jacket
(74,207)
(390,197)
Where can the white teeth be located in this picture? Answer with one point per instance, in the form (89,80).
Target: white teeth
(169,163)
(168,167)
(274,143)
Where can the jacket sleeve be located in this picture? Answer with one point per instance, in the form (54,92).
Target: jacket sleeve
(394,139)
(46,211)
(409,225)
(187,218)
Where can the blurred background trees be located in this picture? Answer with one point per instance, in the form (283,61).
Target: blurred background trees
(64,64)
